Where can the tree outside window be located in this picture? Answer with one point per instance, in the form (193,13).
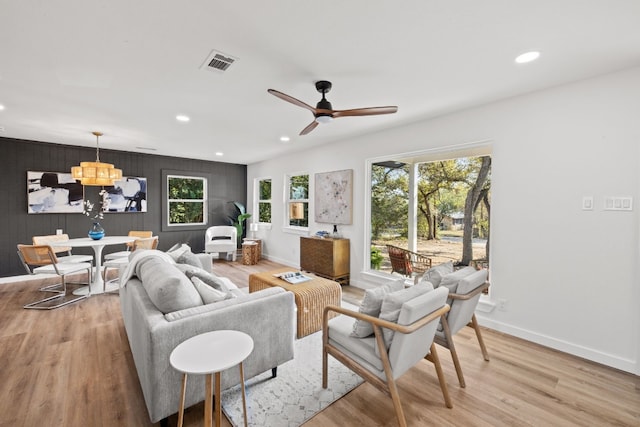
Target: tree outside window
(264,200)
(298,201)
(187,200)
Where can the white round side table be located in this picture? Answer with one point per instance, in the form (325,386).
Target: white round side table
(211,353)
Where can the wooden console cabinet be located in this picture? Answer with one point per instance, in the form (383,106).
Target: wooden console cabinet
(325,257)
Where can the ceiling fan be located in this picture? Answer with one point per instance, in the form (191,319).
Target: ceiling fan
(324,112)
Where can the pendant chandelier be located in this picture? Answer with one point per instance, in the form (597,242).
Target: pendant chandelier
(96,173)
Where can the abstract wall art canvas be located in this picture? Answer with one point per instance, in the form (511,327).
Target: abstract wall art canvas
(127,195)
(333,197)
(53,192)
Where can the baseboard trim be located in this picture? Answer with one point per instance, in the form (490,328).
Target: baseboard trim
(610,360)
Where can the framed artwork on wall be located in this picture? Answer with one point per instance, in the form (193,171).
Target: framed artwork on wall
(334,197)
(53,192)
(127,195)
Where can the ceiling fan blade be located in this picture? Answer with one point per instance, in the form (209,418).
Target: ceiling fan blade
(309,128)
(291,99)
(365,111)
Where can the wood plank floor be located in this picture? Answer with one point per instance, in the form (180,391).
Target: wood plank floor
(73,367)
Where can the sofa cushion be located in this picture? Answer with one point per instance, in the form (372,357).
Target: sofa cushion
(435,274)
(208,293)
(371,304)
(167,287)
(392,304)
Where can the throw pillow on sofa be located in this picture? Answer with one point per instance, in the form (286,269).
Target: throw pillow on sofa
(220,283)
(183,255)
(167,287)
(209,294)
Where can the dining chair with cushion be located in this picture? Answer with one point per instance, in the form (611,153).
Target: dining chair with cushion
(41,259)
(221,239)
(464,294)
(117,263)
(403,336)
(63,253)
(129,245)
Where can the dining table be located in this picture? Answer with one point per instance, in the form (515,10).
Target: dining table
(96,286)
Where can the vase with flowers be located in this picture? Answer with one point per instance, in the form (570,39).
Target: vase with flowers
(96,232)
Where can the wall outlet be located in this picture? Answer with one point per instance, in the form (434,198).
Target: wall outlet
(59,231)
(502,304)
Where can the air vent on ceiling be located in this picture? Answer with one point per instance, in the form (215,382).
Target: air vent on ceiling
(218,61)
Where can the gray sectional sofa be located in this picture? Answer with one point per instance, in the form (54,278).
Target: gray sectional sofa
(267,316)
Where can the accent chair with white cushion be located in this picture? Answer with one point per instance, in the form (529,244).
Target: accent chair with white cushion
(221,239)
(63,253)
(465,287)
(402,336)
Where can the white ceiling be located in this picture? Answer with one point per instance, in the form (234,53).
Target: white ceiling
(127,68)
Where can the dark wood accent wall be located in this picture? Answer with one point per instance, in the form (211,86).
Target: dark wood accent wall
(226,182)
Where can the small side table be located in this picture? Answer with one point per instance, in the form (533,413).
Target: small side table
(250,253)
(211,353)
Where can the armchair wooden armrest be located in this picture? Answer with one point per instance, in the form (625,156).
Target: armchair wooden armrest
(403,329)
(471,294)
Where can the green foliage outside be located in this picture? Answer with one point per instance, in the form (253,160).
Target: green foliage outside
(442,191)
(264,208)
(186,200)
(376,258)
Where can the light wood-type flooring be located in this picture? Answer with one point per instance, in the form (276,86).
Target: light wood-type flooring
(73,367)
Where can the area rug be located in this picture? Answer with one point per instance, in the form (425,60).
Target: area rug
(296,394)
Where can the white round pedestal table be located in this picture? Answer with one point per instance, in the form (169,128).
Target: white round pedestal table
(210,354)
(97,285)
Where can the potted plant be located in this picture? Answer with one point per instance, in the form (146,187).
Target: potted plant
(376,258)
(238,218)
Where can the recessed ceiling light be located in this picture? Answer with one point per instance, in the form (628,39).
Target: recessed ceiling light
(285,139)
(219,154)
(527,57)
(182,118)
(1,107)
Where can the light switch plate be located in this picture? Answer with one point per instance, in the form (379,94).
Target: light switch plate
(618,203)
(587,203)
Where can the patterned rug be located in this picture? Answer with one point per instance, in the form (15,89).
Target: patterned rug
(296,394)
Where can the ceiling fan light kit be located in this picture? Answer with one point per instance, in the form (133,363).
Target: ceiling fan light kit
(324,112)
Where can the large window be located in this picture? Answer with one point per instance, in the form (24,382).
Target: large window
(436,204)
(297,201)
(186,200)
(264,200)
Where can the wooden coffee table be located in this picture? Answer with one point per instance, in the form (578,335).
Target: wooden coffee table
(311,296)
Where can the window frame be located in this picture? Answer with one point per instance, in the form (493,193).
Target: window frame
(258,200)
(167,225)
(287,200)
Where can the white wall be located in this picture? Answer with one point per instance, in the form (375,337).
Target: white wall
(569,276)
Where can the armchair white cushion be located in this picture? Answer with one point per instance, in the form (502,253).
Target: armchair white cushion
(369,357)
(221,239)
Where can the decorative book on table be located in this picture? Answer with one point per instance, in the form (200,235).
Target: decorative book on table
(293,277)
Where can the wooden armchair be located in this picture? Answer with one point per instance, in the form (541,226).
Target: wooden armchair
(375,361)
(406,262)
(463,305)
